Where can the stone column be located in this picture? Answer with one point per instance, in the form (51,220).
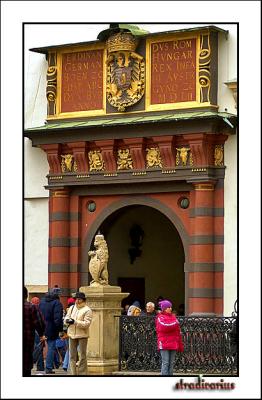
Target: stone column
(103,343)
(59,241)
(205,276)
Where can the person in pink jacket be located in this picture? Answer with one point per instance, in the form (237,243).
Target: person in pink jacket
(169,339)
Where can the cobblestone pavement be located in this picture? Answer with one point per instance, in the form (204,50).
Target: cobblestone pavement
(60,372)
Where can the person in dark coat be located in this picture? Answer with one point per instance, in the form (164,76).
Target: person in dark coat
(52,310)
(40,360)
(32,322)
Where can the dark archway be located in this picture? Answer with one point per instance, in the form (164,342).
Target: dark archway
(161,262)
(129,201)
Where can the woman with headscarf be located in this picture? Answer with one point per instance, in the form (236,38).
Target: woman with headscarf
(169,339)
(134,310)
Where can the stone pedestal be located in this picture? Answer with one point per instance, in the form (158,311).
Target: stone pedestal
(103,343)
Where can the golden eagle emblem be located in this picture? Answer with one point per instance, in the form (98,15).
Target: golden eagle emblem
(125,72)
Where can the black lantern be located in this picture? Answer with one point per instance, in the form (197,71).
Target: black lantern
(136,235)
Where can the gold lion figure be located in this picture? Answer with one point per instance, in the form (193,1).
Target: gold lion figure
(98,262)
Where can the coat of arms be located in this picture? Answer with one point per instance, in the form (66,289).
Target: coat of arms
(125,71)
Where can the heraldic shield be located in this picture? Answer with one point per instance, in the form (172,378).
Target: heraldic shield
(125,71)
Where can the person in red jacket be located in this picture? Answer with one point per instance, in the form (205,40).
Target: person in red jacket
(169,339)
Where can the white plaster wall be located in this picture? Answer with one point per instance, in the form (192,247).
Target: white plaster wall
(227,68)
(230,225)
(35,171)
(35,89)
(36,241)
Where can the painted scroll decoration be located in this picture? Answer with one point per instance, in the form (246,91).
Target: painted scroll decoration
(204,68)
(51,88)
(125,71)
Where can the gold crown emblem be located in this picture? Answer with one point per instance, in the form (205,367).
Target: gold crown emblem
(121,41)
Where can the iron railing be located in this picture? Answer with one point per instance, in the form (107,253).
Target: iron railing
(207,342)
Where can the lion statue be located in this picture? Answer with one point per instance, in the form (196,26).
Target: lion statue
(98,262)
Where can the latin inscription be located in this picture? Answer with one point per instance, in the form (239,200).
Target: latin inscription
(173,71)
(82,81)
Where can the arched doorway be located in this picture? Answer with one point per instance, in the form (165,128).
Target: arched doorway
(146,254)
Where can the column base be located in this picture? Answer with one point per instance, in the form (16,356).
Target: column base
(102,367)
(103,342)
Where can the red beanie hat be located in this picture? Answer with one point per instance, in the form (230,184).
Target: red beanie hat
(70,301)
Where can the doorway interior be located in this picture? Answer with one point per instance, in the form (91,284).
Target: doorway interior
(136,288)
(146,254)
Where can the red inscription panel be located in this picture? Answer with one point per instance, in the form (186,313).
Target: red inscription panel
(173,71)
(82,81)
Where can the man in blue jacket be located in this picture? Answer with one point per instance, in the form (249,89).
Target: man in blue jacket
(52,310)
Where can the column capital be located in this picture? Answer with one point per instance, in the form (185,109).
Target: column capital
(63,192)
(208,186)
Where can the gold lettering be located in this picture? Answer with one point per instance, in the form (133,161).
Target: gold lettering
(155,57)
(155,47)
(68,67)
(67,97)
(155,67)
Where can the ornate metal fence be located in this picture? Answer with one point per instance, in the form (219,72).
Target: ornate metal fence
(207,345)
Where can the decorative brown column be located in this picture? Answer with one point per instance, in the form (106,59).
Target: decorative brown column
(107,150)
(80,155)
(53,152)
(59,241)
(165,144)
(205,268)
(75,243)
